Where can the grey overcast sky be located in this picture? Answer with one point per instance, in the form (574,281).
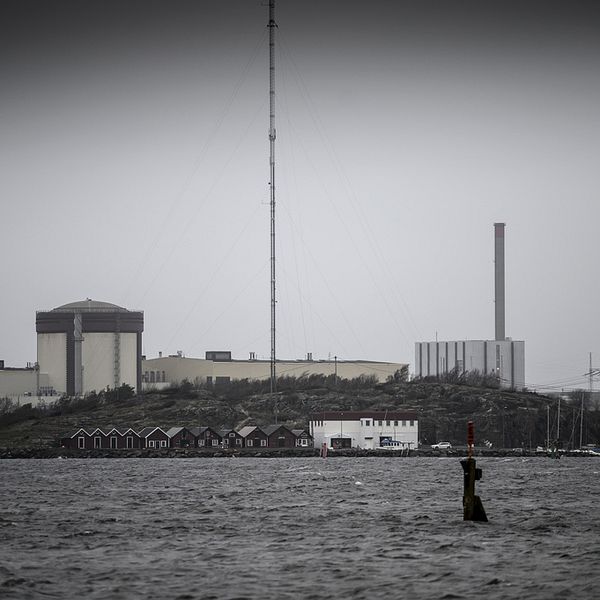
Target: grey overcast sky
(134,170)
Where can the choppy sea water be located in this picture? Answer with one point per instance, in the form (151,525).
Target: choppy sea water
(298,528)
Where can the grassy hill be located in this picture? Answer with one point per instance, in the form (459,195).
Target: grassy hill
(505,418)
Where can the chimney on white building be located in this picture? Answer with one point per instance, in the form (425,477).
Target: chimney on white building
(499,281)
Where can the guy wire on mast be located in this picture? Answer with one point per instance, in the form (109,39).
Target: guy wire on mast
(272,25)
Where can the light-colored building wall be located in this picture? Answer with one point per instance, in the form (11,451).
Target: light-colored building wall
(98,360)
(97,356)
(366,432)
(52,359)
(178,368)
(175,369)
(23,385)
(20,381)
(503,358)
(129,358)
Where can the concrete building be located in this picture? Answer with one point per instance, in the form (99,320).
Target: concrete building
(89,345)
(25,385)
(504,359)
(219,367)
(501,357)
(365,429)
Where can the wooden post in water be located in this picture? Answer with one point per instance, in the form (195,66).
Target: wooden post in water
(472,507)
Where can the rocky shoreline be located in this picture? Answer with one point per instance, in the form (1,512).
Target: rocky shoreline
(62,453)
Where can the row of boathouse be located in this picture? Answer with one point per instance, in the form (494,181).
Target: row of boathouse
(335,429)
(272,436)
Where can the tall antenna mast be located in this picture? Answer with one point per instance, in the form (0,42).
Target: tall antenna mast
(272,27)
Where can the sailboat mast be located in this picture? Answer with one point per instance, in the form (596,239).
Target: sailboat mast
(272,27)
(548,427)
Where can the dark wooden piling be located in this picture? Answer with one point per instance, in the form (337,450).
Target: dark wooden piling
(472,506)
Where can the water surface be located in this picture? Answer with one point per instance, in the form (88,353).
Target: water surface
(297,528)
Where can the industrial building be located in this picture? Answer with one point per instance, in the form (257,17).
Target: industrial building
(502,357)
(24,384)
(505,359)
(89,345)
(365,429)
(219,367)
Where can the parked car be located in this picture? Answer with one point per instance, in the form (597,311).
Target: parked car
(442,446)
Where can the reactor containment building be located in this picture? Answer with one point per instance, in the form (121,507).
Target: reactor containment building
(90,345)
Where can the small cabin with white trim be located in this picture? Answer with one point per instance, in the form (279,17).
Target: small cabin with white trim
(154,437)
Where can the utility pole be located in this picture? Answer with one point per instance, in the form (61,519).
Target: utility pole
(581,415)
(548,427)
(335,379)
(272,25)
(558,422)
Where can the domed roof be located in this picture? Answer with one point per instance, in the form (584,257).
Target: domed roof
(89,305)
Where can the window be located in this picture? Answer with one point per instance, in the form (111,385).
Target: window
(113,442)
(81,442)
(368,422)
(151,376)
(238,442)
(231,434)
(387,423)
(200,442)
(395,423)
(403,423)
(215,442)
(163,443)
(150,443)
(225,441)
(163,377)
(130,441)
(97,442)
(380,423)
(304,442)
(412,423)
(263,442)
(249,443)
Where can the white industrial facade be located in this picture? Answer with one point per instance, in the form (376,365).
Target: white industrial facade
(25,386)
(98,360)
(52,354)
(89,346)
(365,429)
(501,357)
(504,359)
(169,370)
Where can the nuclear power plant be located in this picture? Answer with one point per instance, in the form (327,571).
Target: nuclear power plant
(502,357)
(89,345)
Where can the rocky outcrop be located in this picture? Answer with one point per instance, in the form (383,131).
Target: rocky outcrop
(503,418)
